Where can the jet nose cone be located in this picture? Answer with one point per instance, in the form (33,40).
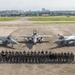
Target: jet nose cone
(14,41)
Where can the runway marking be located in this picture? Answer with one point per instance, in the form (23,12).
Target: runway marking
(53,29)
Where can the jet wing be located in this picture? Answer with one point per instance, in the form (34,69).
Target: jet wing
(44,36)
(2,39)
(26,36)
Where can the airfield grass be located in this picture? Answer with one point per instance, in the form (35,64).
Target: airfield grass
(53,18)
(54,22)
(8,18)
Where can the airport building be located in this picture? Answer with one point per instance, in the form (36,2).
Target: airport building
(43,12)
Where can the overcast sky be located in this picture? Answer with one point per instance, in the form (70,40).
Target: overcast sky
(37,4)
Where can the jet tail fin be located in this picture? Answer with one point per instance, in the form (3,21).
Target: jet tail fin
(60,36)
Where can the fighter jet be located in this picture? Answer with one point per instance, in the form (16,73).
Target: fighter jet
(65,40)
(7,40)
(35,37)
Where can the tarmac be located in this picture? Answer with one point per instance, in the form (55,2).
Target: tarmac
(22,27)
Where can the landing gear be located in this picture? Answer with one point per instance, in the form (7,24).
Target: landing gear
(12,45)
(29,41)
(40,41)
(73,44)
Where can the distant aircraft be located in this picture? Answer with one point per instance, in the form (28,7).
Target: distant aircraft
(35,37)
(65,40)
(7,40)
